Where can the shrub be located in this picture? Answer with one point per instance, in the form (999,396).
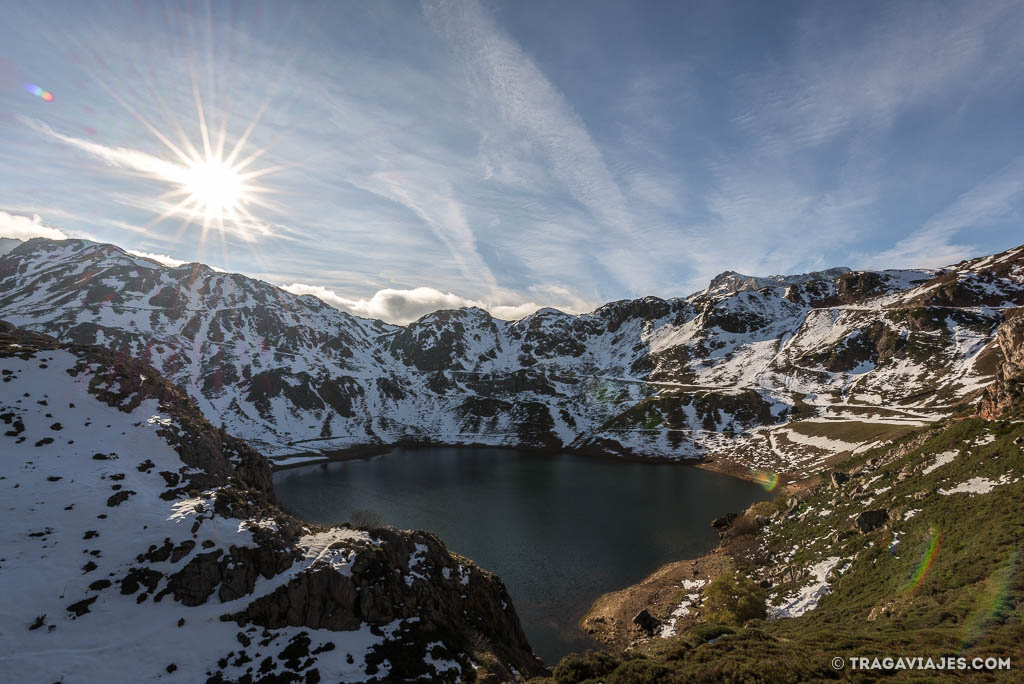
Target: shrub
(745,524)
(733,599)
(365,519)
(642,672)
(577,668)
(707,631)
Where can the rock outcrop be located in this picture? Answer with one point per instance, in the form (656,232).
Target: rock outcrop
(1008,387)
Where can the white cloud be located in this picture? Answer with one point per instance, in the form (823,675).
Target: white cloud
(405,306)
(25,227)
(170,261)
(161,258)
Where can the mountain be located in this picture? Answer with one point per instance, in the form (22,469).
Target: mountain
(729,282)
(141,542)
(780,373)
(901,562)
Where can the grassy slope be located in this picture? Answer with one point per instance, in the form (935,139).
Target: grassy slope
(969,602)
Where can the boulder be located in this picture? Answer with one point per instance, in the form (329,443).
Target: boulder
(725,521)
(791,505)
(872,520)
(646,623)
(838,478)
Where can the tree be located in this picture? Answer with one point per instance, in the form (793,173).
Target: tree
(732,599)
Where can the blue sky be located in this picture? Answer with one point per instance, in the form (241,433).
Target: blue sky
(522,154)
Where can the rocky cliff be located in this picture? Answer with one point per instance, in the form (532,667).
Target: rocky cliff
(1008,388)
(140,541)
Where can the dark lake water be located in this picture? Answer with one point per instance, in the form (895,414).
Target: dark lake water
(560,530)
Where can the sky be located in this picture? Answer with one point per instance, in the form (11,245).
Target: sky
(394,158)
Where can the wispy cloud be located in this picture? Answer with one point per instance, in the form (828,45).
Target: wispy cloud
(531,105)
(124,158)
(847,76)
(529,132)
(936,242)
(813,181)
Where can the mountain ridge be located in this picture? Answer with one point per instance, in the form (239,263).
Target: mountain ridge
(712,375)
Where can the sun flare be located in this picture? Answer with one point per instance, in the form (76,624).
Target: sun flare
(212,183)
(214,187)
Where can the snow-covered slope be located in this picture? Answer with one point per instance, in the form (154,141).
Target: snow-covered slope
(676,378)
(139,542)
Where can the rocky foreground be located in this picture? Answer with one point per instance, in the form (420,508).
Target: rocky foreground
(141,543)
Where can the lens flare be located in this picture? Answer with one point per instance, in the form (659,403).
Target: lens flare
(45,95)
(926,562)
(766,479)
(992,602)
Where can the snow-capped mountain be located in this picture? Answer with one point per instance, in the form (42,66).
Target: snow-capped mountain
(731,281)
(140,542)
(678,378)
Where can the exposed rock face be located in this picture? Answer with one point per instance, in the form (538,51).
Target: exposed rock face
(670,378)
(176,512)
(1009,385)
(440,593)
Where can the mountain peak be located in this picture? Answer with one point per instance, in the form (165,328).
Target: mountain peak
(728,282)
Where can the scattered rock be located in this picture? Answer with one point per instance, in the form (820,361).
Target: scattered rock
(120,497)
(82,607)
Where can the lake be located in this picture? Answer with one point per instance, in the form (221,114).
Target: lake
(560,530)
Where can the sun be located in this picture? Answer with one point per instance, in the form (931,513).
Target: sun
(214,187)
(212,183)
